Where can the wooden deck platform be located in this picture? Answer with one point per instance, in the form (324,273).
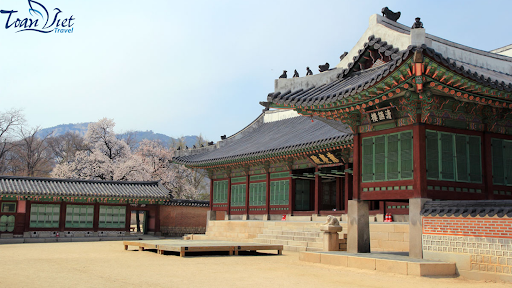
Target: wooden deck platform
(184,246)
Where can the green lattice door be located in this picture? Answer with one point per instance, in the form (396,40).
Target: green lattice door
(302,197)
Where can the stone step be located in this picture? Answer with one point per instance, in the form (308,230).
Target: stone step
(313,249)
(294,248)
(316,245)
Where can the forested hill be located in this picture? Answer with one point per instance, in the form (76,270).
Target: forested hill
(81,129)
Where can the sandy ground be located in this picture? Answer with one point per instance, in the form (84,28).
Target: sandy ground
(106,264)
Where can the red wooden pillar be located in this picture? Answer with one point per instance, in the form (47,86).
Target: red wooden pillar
(338,193)
(247,192)
(292,195)
(211,194)
(62,217)
(419,161)
(229,194)
(317,191)
(348,188)
(487,165)
(128,219)
(96,217)
(357,167)
(157,219)
(267,200)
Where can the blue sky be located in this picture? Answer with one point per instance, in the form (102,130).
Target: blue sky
(190,67)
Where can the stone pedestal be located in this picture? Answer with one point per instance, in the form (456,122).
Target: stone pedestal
(416,227)
(358,227)
(331,237)
(210,215)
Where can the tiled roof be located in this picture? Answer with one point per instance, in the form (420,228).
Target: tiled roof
(348,82)
(288,136)
(185,202)
(351,81)
(491,78)
(473,208)
(33,186)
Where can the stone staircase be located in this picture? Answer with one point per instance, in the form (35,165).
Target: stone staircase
(294,236)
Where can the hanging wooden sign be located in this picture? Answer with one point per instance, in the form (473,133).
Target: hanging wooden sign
(324,158)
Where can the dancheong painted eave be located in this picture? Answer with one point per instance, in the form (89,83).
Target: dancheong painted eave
(353,88)
(266,139)
(35,186)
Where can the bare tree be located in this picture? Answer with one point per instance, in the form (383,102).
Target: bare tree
(31,156)
(64,147)
(10,121)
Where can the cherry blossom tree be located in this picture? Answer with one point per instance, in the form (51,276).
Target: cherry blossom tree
(110,158)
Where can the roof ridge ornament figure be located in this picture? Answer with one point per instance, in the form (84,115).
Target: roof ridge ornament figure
(295,74)
(343,55)
(390,14)
(324,67)
(284,75)
(417,24)
(308,71)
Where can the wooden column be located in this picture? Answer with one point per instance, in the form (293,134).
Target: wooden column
(317,192)
(357,167)
(292,195)
(338,193)
(247,192)
(229,194)
(62,217)
(157,219)
(96,218)
(211,194)
(419,161)
(348,188)
(487,165)
(267,200)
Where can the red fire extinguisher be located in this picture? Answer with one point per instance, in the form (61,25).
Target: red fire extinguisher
(57,235)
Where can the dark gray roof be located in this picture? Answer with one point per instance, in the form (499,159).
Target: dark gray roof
(350,81)
(491,78)
(471,208)
(34,186)
(288,136)
(353,80)
(186,202)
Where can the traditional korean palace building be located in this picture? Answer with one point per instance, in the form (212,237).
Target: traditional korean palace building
(404,115)
(31,206)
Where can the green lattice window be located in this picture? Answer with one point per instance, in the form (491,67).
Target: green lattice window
(79,216)
(112,217)
(8,207)
(238,195)
(453,157)
(220,191)
(501,162)
(44,215)
(257,194)
(387,157)
(7,223)
(279,192)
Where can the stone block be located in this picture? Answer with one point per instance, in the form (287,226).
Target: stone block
(399,227)
(377,235)
(396,236)
(65,239)
(361,262)
(382,227)
(333,259)
(391,266)
(430,269)
(6,236)
(309,257)
(463,261)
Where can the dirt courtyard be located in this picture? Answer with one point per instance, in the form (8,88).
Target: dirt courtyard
(106,264)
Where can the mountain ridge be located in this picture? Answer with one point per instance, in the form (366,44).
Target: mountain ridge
(81,129)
